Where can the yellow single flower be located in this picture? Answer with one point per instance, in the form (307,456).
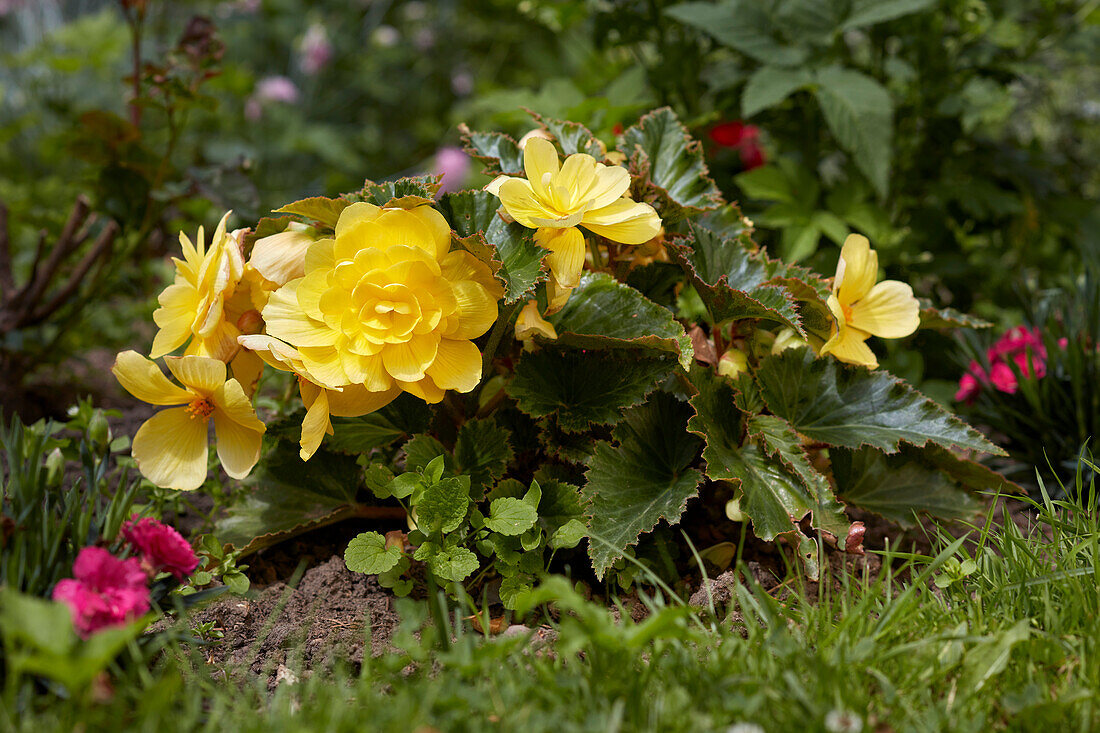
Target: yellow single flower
(529,323)
(171,447)
(387,303)
(280,258)
(863,309)
(193,307)
(321,400)
(556,198)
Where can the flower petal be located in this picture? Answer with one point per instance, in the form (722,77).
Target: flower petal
(611,183)
(849,345)
(231,401)
(354,216)
(569,187)
(425,389)
(247,367)
(520,202)
(407,361)
(286,321)
(355,400)
(530,323)
(170,450)
(179,303)
(282,257)
(624,221)
(856,271)
(476,310)
(493,186)
(238,445)
(143,379)
(457,365)
(889,311)
(201,373)
(566,258)
(540,163)
(437,227)
(316,423)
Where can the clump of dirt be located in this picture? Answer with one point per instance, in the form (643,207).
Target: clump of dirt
(329,612)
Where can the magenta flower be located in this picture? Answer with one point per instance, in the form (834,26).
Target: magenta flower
(277,89)
(315,49)
(161,547)
(454,165)
(105,592)
(1020,345)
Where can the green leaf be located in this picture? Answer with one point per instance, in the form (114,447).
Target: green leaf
(767,183)
(442,507)
(510,516)
(643,478)
(357,435)
(405,192)
(469,212)
(584,388)
(367,553)
(854,406)
(896,486)
(453,563)
(483,452)
(521,264)
(500,153)
(322,210)
(860,114)
(743,25)
(291,497)
(561,510)
(868,12)
(568,536)
(769,86)
(944,318)
(513,588)
(660,149)
(970,474)
(772,496)
(735,280)
(572,137)
(605,314)
(420,451)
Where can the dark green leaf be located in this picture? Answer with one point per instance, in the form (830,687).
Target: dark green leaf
(643,478)
(572,137)
(469,212)
(853,406)
(407,192)
(499,153)
(603,314)
(357,435)
(949,318)
(660,149)
(420,451)
(367,553)
(860,114)
(769,86)
(743,25)
(482,451)
(584,388)
(896,486)
(521,265)
(868,12)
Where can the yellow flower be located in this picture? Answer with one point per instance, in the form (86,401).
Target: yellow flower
(530,323)
(387,303)
(863,309)
(321,400)
(555,199)
(732,363)
(280,258)
(171,447)
(193,307)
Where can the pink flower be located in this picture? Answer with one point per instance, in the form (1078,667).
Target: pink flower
(1018,340)
(1024,346)
(162,548)
(106,591)
(968,388)
(316,50)
(454,165)
(277,89)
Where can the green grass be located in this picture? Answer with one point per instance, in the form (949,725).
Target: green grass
(1011,644)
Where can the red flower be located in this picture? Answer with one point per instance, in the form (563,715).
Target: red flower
(743,138)
(105,592)
(1023,346)
(161,547)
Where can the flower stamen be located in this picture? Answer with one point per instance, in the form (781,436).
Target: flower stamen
(200,408)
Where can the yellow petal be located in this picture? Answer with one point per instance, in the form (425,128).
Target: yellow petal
(556,297)
(520,202)
(437,227)
(849,345)
(610,185)
(311,289)
(889,311)
(476,310)
(540,163)
(856,271)
(566,258)
(369,371)
(354,400)
(247,367)
(529,323)
(170,449)
(143,379)
(231,402)
(281,257)
(238,445)
(316,423)
(201,373)
(407,361)
(355,216)
(179,304)
(286,321)
(624,221)
(457,365)
(569,187)
(493,186)
(323,365)
(219,343)
(425,389)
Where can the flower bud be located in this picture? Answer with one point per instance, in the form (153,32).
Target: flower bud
(787,338)
(732,363)
(529,323)
(250,322)
(55,468)
(99,432)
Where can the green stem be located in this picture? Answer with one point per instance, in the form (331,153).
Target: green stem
(504,322)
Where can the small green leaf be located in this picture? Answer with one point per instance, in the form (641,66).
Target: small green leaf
(513,588)
(521,263)
(770,85)
(511,516)
(584,388)
(453,563)
(407,192)
(420,451)
(367,553)
(568,535)
(643,478)
(237,582)
(322,210)
(442,506)
(852,406)
(605,314)
(743,25)
(377,477)
(405,485)
(500,153)
(434,470)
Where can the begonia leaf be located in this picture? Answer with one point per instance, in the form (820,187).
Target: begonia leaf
(943,318)
(521,265)
(572,137)
(404,192)
(403,417)
(645,476)
(483,452)
(605,314)
(324,211)
(500,153)
(585,388)
(853,406)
